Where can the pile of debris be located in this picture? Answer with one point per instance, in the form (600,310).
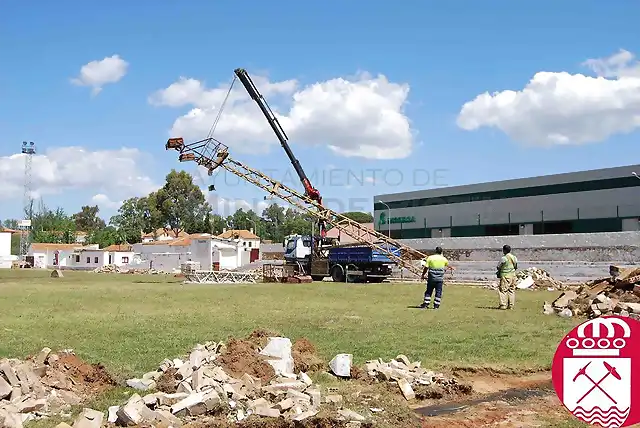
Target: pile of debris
(411,378)
(208,381)
(108,269)
(46,384)
(262,376)
(118,269)
(540,278)
(533,278)
(617,294)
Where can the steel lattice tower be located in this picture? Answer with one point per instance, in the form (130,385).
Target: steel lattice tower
(28,149)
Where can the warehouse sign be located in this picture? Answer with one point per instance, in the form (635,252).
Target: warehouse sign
(382,220)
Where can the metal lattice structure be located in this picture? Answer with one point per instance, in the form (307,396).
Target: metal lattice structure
(28,149)
(211,154)
(221,277)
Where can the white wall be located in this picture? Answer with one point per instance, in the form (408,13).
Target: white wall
(228,258)
(87,259)
(167,261)
(201,252)
(5,244)
(120,258)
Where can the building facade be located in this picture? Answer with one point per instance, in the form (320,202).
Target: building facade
(603,200)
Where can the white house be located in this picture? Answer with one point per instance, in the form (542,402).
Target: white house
(247,242)
(55,256)
(164,254)
(240,248)
(91,258)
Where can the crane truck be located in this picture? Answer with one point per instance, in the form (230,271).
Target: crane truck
(371,259)
(320,256)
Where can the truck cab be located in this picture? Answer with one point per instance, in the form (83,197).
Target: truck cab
(297,248)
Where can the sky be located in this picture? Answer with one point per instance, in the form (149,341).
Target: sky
(375,97)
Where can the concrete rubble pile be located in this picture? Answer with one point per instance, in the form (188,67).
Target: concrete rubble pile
(618,294)
(118,269)
(204,388)
(533,278)
(32,389)
(406,374)
(541,279)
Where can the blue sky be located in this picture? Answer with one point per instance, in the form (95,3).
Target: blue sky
(447,53)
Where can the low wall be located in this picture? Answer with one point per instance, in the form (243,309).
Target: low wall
(570,257)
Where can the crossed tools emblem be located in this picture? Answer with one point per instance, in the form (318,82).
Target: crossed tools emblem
(610,371)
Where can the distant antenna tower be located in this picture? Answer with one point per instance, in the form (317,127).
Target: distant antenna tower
(28,149)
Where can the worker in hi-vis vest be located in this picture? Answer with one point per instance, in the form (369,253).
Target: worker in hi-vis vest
(434,268)
(506,271)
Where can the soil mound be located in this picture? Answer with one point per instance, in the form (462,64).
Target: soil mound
(241,356)
(90,379)
(304,356)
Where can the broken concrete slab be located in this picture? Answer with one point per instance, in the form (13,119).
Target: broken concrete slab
(89,418)
(406,389)
(341,365)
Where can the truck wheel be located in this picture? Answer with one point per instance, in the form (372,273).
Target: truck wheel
(337,273)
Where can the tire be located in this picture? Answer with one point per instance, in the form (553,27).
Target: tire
(317,277)
(337,273)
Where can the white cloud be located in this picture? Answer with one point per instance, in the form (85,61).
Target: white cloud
(66,169)
(98,73)
(358,117)
(564,108)
(103,201)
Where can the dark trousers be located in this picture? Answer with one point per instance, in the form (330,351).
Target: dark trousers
(431,286)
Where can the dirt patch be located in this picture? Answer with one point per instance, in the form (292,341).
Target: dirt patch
(315,422)
(167,381)
(88,379)
(304,356)
(533,412)
(241,356)
(487,380)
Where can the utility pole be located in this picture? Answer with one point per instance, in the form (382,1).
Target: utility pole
(28,149)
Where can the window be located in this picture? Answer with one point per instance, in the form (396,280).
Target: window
(88,259)
(125,259)
(95,260)
(250,244)
(77,258)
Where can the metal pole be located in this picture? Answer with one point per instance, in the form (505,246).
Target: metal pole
(388,218)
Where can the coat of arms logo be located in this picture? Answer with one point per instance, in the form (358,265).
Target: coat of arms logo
(596,371)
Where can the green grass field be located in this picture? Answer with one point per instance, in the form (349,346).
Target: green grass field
(130,323)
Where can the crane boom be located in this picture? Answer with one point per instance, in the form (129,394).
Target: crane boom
(210,153)
(251,88)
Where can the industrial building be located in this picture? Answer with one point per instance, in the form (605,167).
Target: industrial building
(602,200)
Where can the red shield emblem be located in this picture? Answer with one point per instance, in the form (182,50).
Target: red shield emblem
(596,371)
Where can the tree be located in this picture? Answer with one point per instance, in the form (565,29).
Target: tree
(87,219)
(297,223)
(107,236)
(360,217)
(218,224)
(130,221)
(181,204)
(52,226)
(10,224)
(274,220)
